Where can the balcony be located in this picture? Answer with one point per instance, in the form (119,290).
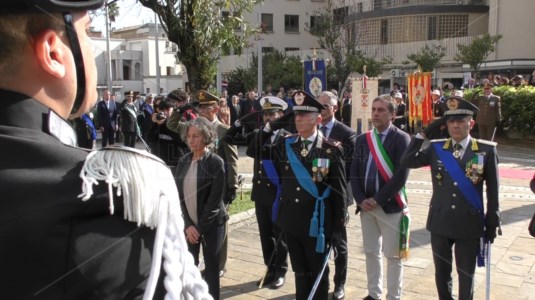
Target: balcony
(387,4)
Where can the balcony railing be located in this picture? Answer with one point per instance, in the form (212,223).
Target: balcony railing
(387,4)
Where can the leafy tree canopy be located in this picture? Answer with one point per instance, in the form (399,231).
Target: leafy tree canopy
(201,29)
(477,52)
(428,57)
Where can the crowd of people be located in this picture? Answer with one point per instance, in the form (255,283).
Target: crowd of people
(310,168)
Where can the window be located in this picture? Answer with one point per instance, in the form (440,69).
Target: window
(432,28)
(267,49)
(169,71)
(340,14)
(148,90)
(267,22)
(384,31)
(450,26)
(314,21)
(359,7)
(291,23)
(291,49)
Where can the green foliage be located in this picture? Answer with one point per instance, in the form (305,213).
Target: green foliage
(337,37)
(428,57)
(113,11)
(518,107)
(201,32)
(278,69)
(477,52)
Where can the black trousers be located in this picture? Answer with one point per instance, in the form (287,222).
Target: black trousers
(129,139)
(465,260)
(269,233)
(211,245)
(108,137)
(340,261)
(307,263)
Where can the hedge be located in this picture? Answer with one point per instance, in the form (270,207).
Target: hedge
(518,107)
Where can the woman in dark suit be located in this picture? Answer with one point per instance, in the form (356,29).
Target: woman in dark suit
(200,179)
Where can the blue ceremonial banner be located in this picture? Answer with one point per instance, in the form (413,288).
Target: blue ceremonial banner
(315,79)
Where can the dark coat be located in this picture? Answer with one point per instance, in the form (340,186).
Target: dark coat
(395,144)
(128,120)
(345,135)
(210,181)
(54,245)
(297,205)
(263,191)
(107,118)
(450,214)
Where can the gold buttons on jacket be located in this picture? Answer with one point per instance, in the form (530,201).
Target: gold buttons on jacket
(455,184)
(296,200)
(454,195)
(298,189)
(453,207)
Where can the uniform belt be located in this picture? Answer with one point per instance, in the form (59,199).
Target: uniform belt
(400,117)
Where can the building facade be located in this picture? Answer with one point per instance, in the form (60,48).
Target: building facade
(134,61)
(394,29)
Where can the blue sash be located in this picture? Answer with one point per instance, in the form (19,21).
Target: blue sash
(454,170)
(92,128)
(466,187)
(273,177)
(305,181)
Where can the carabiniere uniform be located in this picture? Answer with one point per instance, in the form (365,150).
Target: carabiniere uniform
(308,220)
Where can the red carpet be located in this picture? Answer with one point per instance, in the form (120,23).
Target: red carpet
(512,173)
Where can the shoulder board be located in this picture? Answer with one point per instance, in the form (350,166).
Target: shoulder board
(438,140)
(332,142)
(485,142)
(291,135)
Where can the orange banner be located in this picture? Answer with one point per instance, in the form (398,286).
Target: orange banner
(419,95)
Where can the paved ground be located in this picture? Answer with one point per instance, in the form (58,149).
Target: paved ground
(513,254)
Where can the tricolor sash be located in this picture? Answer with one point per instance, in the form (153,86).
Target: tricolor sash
(386,169)
(305,181)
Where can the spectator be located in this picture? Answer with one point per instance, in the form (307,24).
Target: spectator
(86,133)
(129,126)
(165,143)
(200,179)
(107,114)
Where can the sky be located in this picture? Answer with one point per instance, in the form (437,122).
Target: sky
(130,13)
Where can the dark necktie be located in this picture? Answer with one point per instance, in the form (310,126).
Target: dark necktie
(457,151)
(324,130)
(371,177)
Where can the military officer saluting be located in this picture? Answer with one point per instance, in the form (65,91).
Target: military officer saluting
(459,166)
(312,201)
(266,195)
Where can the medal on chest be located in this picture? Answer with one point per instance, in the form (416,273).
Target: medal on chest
(474,168)
(320,169)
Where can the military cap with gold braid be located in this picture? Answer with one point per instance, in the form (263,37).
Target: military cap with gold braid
(305,102)
(129,94)
(273,104)
(457,108)
(205,98)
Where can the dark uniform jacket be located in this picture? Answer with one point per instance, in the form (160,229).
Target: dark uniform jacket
(450,214)
(297,205)
(490,111)
(53,244)
(128,119)
(395,143)
(264,191)
(210,183)
(401,118)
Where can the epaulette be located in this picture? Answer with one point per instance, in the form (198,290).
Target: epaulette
(485,142)
(438,140)
(291,135)
(332,142)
